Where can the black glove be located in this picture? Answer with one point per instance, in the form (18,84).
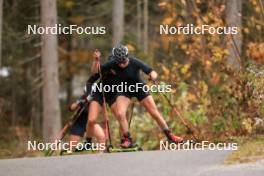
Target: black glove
(81,102)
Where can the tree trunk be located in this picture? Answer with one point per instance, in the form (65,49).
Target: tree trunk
(14,106)
(139,16)
(69,75)
(118,21)
(145,35)
(234,19)
(1,24)
(49,54)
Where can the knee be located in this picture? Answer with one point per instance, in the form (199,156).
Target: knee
(121,115)
(91,122)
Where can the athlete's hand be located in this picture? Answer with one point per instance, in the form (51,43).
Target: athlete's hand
(96,63)
(73,106)
(89,98)
(153,76)
(97,54)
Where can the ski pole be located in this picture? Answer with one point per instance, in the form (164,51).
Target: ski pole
(189,129)
(107,130)
(63,131)
(131,115)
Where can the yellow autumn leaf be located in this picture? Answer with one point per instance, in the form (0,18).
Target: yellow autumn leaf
(167,20)
(247,123)
(130,47)
(166,71)
(69,4)
(203,87)
(192,98)
(205,19)
(257,9)
(246,30)
(208,63)
(185,68)
(183,46)
(258,27)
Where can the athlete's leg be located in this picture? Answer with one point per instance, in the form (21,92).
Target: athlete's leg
(74,139)
(94,110)
(151,107)
(77,130)
(119,108)
(99,133)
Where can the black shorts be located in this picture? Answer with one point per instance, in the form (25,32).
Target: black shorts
(109,97)
(79,127)
(140,94)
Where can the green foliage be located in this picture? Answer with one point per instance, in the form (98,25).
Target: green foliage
(219,125)
(197,117)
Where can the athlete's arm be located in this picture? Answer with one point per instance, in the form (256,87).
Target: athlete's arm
(78,103)
(142,66)
(104,69)
(92,79)
(153,75)
(146,69)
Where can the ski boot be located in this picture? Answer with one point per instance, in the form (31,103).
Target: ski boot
(126,141)
(173,138)
(125,146)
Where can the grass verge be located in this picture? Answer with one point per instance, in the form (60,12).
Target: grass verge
(250,149)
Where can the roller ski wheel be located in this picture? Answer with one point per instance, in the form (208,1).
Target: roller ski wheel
(66,152)
(134,148)
(109,148)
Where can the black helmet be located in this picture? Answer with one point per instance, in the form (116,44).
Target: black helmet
(120,53)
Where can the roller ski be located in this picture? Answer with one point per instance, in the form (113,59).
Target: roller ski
(74,152)
(134,148)
(85,149)
(64,130)
(125,146)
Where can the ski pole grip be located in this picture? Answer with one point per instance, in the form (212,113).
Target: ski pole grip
(97,58)
(97,61)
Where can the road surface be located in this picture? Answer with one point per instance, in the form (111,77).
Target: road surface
(147,163)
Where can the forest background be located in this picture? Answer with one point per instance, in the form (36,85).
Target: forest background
(217,80)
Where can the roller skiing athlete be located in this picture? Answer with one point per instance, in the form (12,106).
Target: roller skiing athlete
(98,99)
(76,125)
(127,69)
(78,128)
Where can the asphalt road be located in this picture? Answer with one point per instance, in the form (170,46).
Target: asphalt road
(148,163)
